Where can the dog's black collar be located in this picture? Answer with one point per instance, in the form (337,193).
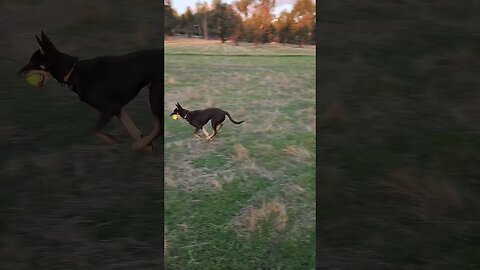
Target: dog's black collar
(67,84)
(70,86)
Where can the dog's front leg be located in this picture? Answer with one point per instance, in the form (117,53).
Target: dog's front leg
(132,129)
(205,133)
(196,135)
(129,125)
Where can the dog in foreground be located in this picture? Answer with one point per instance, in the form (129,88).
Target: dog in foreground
(199,118)
(106,83)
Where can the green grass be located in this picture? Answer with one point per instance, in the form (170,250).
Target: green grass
(211,186)
(400,137)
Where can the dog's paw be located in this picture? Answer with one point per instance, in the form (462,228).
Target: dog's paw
(149,149)
(106,138)
(113,139)
(137,145)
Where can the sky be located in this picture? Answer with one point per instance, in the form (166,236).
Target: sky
(181,5)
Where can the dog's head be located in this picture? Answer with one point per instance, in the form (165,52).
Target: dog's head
(179,111)
(48,62)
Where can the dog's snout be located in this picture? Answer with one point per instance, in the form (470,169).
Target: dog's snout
(23,71)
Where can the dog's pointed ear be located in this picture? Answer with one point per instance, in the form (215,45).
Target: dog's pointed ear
(47,45)
(39,44)
(177,105)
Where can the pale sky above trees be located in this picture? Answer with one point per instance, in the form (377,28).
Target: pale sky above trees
(181,5)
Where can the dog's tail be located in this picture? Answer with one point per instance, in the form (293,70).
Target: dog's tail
(229,117)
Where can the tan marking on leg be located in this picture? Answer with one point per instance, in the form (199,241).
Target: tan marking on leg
(210,138)
(148,149)
(205,132)
(133,130)
(105,138)
(141,143)
(129,125)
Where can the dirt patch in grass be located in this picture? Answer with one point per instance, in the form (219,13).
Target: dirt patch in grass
(272,213)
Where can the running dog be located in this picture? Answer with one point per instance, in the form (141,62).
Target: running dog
(106,83)
(199,118)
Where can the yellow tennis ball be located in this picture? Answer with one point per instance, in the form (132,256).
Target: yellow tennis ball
(174,117)
(34,79)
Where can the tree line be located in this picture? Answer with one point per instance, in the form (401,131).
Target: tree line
(244,20)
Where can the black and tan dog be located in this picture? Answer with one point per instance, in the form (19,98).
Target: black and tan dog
(199,118)
(106,83)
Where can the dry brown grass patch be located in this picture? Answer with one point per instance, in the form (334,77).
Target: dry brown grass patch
(217,185)
(264,129)
(252,219)
(241,153)
(183,227)
(268,128)
(427,196)
(275,80)
(209,103)
(298,153)
(228,177)
(170,177)
(171,80)
(293,189)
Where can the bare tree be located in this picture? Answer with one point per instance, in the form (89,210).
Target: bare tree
(202,11)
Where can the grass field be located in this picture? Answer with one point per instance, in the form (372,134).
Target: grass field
(247,199)
(399,143)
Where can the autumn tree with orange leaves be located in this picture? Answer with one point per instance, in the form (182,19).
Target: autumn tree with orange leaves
(251,21)
(303,16)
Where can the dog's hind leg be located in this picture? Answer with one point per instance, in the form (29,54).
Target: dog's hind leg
(101,123)
(156,105)
(144,141)
(216,130)
(216,127)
